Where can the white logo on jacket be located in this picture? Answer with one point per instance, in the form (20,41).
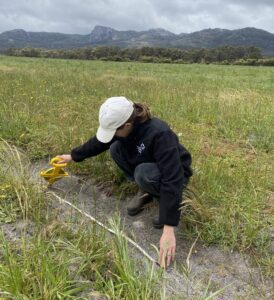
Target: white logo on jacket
(141,148)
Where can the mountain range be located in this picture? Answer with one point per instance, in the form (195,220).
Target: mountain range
(106,36)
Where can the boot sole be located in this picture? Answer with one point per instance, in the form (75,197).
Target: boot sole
(135,211)
(158,226)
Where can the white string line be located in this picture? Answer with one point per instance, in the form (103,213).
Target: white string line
(3,293)
(105,227)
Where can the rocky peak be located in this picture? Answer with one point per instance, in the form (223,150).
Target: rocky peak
(101,34)
(17,34)
(160,32)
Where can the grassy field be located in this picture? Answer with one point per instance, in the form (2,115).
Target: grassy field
(222,114)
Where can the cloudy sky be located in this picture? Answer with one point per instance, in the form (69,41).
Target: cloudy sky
(80,16)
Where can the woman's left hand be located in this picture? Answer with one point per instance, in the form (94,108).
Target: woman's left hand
(167,246)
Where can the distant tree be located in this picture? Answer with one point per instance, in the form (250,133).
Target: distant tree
(254,53)
(221,55)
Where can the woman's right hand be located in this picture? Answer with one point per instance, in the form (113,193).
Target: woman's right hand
(66,158)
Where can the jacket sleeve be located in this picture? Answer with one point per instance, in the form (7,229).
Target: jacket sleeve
(167,157)
(90,148)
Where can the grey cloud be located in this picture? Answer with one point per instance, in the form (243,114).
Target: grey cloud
(72,16)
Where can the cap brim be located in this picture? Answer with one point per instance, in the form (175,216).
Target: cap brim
(105,136)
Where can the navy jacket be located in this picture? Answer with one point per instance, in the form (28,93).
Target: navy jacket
(152,141)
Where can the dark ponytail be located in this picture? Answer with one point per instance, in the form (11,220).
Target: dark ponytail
(140,114)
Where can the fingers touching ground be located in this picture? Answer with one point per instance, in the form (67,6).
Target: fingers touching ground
(167,247)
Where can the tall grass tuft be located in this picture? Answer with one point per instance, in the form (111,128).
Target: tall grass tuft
(62,257)
(15,168)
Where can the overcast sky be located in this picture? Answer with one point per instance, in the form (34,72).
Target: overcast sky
(80,16)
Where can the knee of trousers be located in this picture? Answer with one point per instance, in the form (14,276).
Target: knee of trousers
(114,149)
(146,173)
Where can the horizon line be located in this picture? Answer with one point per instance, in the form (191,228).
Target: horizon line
(209,28)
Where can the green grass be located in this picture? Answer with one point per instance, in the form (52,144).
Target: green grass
(66,262)
(62,257)
(222,114)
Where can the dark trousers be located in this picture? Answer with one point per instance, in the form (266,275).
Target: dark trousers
(146,175)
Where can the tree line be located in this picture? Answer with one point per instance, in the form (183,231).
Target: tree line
(221,55)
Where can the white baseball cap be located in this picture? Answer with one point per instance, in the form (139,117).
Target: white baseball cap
(114,112)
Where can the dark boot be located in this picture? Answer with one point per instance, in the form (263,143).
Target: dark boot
(137,204)
(156,223)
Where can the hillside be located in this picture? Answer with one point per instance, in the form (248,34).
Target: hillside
(106,36)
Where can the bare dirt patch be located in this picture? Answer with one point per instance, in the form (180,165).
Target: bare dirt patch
(210,268)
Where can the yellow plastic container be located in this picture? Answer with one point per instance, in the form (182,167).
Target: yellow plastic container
(57,172)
